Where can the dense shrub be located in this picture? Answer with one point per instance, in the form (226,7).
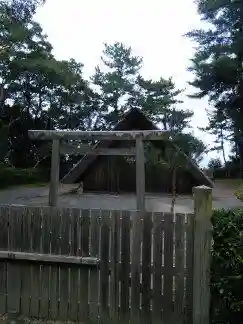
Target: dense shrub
(227,267)
(13,176)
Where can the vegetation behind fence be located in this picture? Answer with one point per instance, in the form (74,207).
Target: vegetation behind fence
(227,267)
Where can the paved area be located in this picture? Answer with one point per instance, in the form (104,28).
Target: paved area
(155,203)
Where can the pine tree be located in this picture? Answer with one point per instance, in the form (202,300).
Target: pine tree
(156,99)
(218,61)
(116,81)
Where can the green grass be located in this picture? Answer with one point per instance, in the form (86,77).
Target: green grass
(26,185)
(34,185)
(232,183)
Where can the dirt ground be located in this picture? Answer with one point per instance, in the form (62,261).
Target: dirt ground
(223,197)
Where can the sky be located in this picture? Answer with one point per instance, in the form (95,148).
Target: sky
(153,28)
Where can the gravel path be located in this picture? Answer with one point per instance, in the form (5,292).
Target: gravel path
(39,196)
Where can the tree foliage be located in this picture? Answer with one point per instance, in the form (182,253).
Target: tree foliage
(116,82)
(217,66)
(37,91)
(214,164)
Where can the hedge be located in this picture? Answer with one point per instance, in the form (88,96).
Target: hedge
(13,176)
(227,267)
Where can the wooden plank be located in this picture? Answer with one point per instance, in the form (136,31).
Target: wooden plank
(74,271)
(95,233)
(48,258)
(35,246)
(64,296)
(54,269)
(189,240)
(125,266)
(140,174)
(104,267)
(55,165)
(86,149)
(14,270)
(4,216)
(202,254)
(98,135)
(85,232)
(3,287)
(36,222)
(168,266)
(55,220)
(25,290)
(26,268)
(46,231)
(115,256)
(35,291)
(94,271)
(180,267)
(54,293)
(15,227)
(26,231)
(83,272)
(135,266)
(44,292)
(157,261)
(45,268)
(146,267)
(74,294)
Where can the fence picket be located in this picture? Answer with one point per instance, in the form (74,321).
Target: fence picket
(168,267)
(146,267)
(94,272)
(54,296)
(135,267)
(157,262)
(45,269)
(44,289)
(25,290)
(14,270)
(55,220)
(64,269)
(189,266)
(125,266)
(74,271)
(104,267)
(83,271)
(25,268)
(35,268)
(115,257)
(179,266)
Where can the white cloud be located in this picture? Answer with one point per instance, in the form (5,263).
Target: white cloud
(154,29)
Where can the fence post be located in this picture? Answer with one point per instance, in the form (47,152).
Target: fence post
(140,174)
(202,254)
(55,165)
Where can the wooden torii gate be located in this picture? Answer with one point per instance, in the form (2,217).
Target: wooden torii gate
(60,145)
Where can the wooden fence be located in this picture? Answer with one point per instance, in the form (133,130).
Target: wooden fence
(102,266)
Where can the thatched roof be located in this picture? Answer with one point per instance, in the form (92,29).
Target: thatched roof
(133,120)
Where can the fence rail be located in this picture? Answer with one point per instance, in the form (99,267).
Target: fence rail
(98,266)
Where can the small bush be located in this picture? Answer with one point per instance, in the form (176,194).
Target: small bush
(227,267)
(13,176)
